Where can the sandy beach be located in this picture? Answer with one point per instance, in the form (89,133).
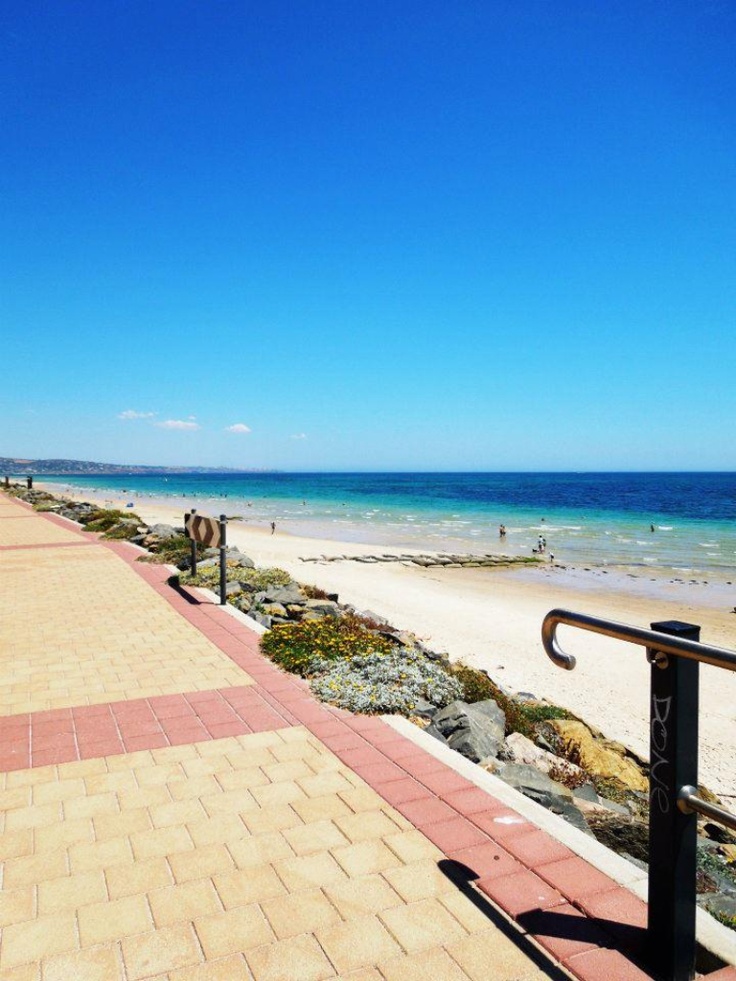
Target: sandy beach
(491,618)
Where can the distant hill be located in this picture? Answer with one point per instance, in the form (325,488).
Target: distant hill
(15,466)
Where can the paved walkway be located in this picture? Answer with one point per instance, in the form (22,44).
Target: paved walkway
(174,807)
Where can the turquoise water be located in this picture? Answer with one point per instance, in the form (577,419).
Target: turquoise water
(601,519)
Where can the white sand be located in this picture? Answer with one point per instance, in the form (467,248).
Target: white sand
(492,618)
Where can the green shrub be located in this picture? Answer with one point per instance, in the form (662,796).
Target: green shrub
(314,592)
(122,532)
(105,518)
(297,647)
(254,580)
(379,682)
(172,550)
(476,685)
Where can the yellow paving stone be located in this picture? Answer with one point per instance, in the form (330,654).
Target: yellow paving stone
(274,794)
(157,774)
(138,877)
(189,787)
(38,938)
(320,808)
(252,776)
(111,920)
(98,964)
(123,762)
(423,924)
(231,801)
(324,783)
(16,905)
(164,950)
(366,857)
(288,770)
(25,972)
(366,825)
(16,844)
(492,956)
(28,778)
(17,797)
(316,837)
(92,805)
(203,862)
(77,601)
(358,943)
(463,909)
(301,913)
(435,964)
(123,824)
(71,892)
(419,880)
(199,767)
(182,902)
(275,818)
(58,790)
(232,968)
(361,798)
(309,871)
(219,748)
(412,846)
(217,830)
(160,841)
(117,781)
(365,894)
(251,885)
(174,754)
(63,834)
(143,797)
(176,813)
(30,869)
(259,849)
(232,932)
(297,959)
(371,974)
(85,857)
(85,768)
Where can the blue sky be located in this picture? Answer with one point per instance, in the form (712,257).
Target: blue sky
(388,235)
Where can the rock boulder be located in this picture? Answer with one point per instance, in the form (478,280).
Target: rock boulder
(475,731)
(596,755)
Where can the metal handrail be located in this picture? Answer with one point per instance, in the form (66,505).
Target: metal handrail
(657,644)
(662,643)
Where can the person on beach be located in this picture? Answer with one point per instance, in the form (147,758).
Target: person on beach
(273,527)
(651,527)
(502,531)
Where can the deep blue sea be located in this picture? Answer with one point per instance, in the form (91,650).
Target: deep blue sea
(590,518)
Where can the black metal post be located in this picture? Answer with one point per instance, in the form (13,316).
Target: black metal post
(223,558)
(673,745)
(193,545)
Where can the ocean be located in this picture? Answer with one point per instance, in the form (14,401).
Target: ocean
(586,518)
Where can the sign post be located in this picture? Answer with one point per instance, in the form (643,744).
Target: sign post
(223,559)
(672,832)
(213,534)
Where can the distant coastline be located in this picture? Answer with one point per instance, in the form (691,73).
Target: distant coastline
(16,466)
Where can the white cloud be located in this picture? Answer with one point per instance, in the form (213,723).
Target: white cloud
(132,414)
(298,436)
(238,427)
(178,424)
